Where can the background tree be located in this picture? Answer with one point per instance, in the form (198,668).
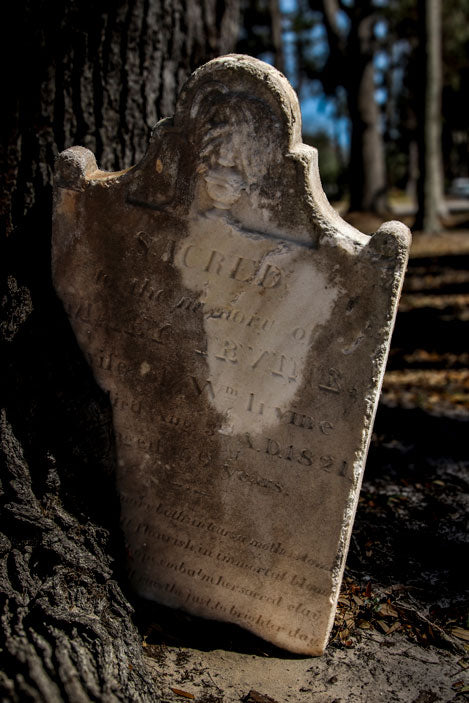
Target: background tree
(370,59)
(334,43)
(352,45)
(415,99)
(430,183)
(261,32)
(98,74)
(403,79)
(433,74)
(455,112)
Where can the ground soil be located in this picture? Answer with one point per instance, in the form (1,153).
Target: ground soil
(401,631)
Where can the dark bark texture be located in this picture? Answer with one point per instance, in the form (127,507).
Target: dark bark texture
(98,74)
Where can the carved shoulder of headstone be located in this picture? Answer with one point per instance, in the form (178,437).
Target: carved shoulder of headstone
(241,329)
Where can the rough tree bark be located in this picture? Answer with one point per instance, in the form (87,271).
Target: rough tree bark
(97,74)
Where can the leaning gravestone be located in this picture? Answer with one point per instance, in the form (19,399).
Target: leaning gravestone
(241,329)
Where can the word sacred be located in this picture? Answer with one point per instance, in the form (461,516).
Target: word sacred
(238,268)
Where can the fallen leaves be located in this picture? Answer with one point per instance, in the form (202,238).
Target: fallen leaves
(359,608)
(387,610)
(352,611)
(461,633)
(364,624)
(183,694)
(388,630)
(460,686)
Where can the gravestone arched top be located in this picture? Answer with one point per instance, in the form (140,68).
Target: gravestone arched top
(234,144)
(244,78)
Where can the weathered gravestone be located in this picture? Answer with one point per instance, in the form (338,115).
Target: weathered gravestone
(241,329)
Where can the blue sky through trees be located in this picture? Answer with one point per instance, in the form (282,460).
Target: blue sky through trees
(321,113)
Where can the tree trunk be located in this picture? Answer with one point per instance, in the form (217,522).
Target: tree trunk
(277,39)
(367,173)
(430,184)
(350,64)
(97,74)
(412,171)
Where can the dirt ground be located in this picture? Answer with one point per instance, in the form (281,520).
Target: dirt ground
(401,631)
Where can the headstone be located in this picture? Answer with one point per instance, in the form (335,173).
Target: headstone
(241,329)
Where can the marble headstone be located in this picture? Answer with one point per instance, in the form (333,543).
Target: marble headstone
(241,329)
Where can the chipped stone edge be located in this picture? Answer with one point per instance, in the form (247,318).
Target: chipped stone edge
(391,241)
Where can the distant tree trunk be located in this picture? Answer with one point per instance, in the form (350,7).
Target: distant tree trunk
(277,39)
(350,64)
(97,74)
(430,184)
(412,170)
(367,174)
